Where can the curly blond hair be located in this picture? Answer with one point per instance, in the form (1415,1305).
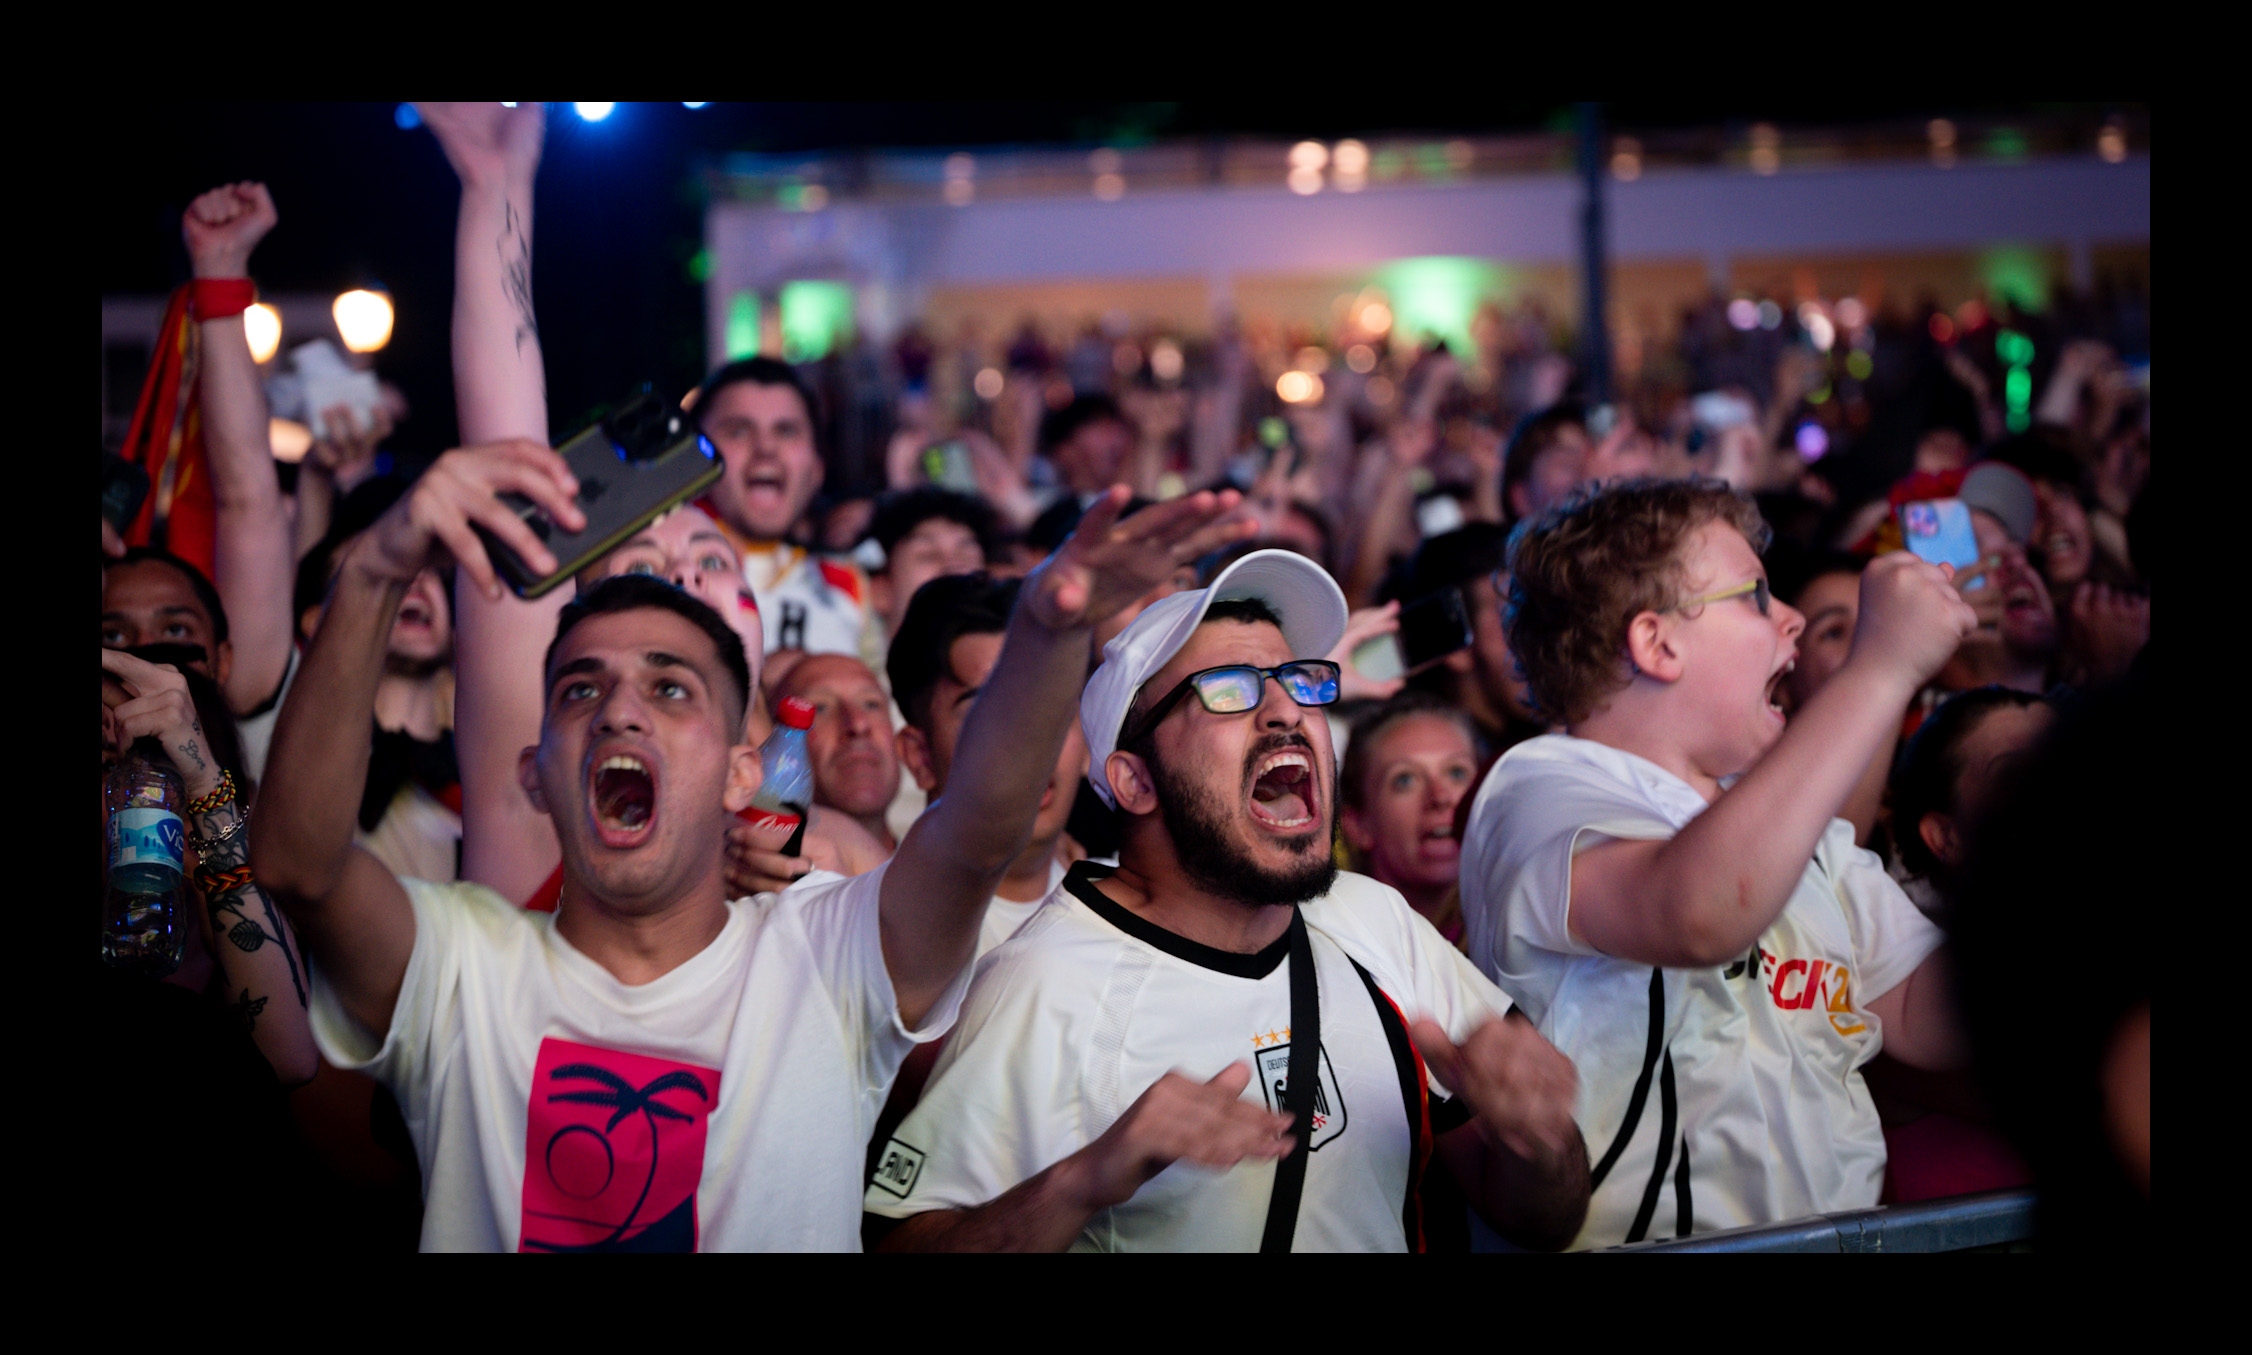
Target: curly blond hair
(1583,570)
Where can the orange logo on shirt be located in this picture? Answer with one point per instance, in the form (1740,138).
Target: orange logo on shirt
(1803,985)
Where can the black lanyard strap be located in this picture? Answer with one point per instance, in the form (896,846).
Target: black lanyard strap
(1298,1092)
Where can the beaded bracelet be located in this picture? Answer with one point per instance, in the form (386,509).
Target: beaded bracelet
(223,794)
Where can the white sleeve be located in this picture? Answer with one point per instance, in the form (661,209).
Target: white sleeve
(1003,1105)
(843,932)
(427,1014)
(1891,936)
(1522,836)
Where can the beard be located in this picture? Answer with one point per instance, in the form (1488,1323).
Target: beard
(1198,825)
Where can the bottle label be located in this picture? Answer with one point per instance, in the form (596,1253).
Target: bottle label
(759,817)
(145,840)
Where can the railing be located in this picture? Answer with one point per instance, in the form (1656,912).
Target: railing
(1991,1221)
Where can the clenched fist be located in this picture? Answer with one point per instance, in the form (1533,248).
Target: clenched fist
(223,226)
(1912,618)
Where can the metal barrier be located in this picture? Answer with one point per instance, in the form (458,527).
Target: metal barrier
(1989,1221)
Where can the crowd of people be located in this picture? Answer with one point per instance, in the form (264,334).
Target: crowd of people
(1442,804)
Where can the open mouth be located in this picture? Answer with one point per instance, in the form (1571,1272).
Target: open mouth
(1439,841)
(2021,603)
(414,612)
(1282,790)
(623,796)
(1775,685)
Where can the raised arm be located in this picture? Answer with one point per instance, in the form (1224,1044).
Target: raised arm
(252,565)
(1701,897)
(943,875)
(500,390)
(262,976)
(352,912)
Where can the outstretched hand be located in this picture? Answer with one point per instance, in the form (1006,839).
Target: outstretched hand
(457,493)
(1519,1086)
(1106,564)
(223,226)
(488,142)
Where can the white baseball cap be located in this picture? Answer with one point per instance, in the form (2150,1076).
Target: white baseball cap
(1298,591)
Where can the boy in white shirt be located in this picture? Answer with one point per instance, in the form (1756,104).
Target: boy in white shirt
(1665,888)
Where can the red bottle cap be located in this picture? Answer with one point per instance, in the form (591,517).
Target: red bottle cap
(797,712)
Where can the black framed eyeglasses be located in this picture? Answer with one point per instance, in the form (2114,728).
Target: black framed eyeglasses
(1757,588)
(1237,688)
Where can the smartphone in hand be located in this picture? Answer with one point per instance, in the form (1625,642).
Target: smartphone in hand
(633,466)
(1939,530)
(1431,628)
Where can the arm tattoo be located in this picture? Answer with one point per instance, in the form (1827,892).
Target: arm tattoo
(515,247)
(193,752)
(246,1009)
(233,898)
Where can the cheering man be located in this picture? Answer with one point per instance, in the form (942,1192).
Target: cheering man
(653,1066)
(1224,996)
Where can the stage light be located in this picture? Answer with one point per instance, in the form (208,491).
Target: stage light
(2112,143)
(1858,365)
(1851,313)
(289,439)
(690,105)
(594,112)
(1770,315)
(262,324)
(1361,358)
(1309,155)
(407,118)
(1165,361)
(1376,318)
(987,383)
(1304,182)
(1767,149)
(1351,157)
(363,318)
(1298,388)
(1817,325)
(1743,313)
(1813,441)
(1942,328)
(1626,159)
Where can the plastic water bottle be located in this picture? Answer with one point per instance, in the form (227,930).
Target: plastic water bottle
(142,919)
(787,792)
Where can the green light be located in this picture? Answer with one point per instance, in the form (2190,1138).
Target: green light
(815,317)
(2006,143)
(2013,348)
(2017,388)
(1820,395)
(1388,164)
(2019,274)
(1439,295)
(1858,365)
(1273,431)
(700,266)
(742,326)
(1431,162)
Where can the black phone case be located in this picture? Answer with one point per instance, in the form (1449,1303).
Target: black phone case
(620,494)
(1432,628)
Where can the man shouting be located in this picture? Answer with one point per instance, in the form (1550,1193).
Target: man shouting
(653,1066)
(1224,1044)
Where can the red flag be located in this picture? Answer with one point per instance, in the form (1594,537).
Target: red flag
(180,513)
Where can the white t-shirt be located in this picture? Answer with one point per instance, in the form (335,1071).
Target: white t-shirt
(808,603)
(1751,1108)
(256,732)
(1088,1005)
(1004,916)
(722,1107)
